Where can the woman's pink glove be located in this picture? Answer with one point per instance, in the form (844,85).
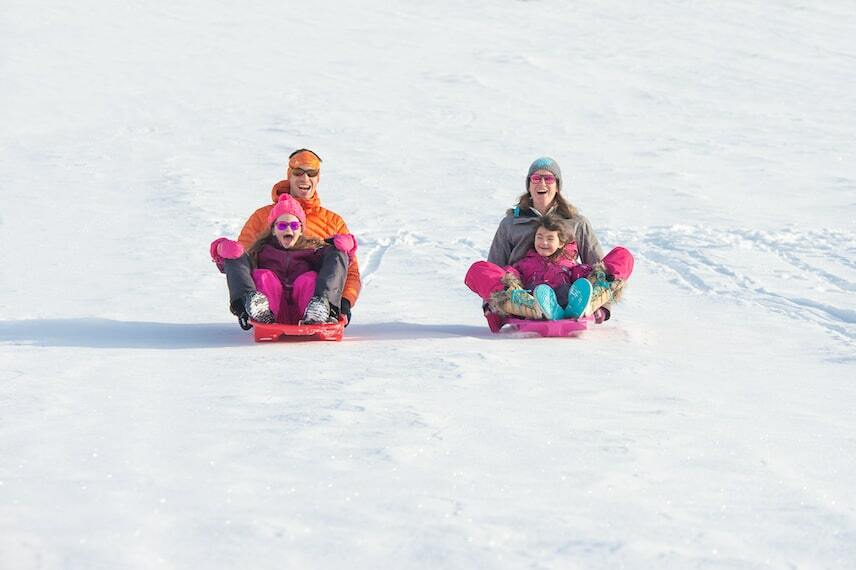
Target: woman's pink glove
(224,248)
(346,243)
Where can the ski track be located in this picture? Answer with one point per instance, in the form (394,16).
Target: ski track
(811,279)
(373,250)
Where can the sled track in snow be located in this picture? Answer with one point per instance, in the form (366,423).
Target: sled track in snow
(809,276)
(372,252)
(455,256)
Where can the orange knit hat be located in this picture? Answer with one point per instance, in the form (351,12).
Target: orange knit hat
(303,158)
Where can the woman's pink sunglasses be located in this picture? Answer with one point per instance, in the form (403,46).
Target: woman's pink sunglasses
(536,178)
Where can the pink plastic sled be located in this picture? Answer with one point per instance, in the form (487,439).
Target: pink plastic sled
(562,327)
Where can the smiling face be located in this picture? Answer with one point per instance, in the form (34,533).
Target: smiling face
(303,186)
(284,232)
(542,193)
(547,242)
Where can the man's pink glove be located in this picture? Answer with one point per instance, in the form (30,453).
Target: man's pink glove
(346,243)
(224,248)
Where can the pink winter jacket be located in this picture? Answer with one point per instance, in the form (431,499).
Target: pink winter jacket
(534,269)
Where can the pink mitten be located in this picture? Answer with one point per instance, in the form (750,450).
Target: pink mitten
(224,248)
(346,243)
(229,249)
(215,254)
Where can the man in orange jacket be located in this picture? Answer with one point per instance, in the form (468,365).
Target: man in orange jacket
(302,177)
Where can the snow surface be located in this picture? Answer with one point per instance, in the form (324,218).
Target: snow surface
(710,424)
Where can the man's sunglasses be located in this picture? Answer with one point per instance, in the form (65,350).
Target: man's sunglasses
(311,173)
(282,226)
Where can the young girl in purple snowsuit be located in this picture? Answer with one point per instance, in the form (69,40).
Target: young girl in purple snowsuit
(286,263)
(548,270)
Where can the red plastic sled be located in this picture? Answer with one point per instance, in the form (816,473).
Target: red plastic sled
(269,332)
(562,327)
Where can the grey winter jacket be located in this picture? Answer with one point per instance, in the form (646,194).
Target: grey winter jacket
(515,236)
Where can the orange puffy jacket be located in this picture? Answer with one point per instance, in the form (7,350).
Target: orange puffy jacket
(320,223)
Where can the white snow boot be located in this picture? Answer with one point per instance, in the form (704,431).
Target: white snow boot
(318,312)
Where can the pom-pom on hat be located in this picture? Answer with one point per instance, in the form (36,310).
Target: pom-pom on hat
(286,204)
(303,158)
(545,163)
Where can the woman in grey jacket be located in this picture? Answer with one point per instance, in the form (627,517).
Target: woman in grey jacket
(514,237)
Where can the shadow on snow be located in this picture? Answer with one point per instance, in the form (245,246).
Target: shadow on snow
(405,331)
(108,333)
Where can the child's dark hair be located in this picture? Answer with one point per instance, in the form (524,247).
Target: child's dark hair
(553,223)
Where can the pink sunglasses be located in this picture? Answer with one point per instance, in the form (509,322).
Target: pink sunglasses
(548,178)
(282,226)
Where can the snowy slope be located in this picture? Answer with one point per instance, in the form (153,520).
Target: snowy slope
(709,424)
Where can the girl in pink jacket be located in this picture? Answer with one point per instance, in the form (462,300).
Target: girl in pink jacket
(552,259)
(548,270)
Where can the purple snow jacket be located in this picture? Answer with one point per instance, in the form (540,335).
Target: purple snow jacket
(534,269)
(289,264)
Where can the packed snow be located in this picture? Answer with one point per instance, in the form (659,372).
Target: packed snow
(709,424)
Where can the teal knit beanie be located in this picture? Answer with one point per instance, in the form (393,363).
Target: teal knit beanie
(546,163)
